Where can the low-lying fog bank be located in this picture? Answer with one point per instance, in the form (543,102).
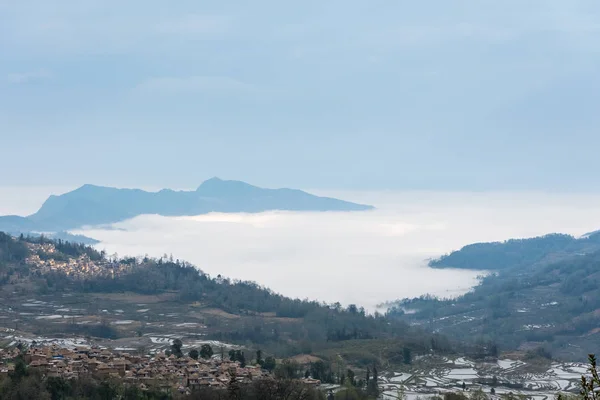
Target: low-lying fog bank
(363,257)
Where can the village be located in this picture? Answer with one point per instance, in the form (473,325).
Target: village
(160,370)
(81,267)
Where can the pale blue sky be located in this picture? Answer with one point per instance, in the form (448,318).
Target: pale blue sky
(313,94)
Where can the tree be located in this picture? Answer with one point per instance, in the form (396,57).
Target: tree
(318,370)
(590,384)
(269,364)
(259,359)
(232,355)
(234,388)
(350,393)
(478,395)
(206,351)
(30,387)
(176,348)
(288,370)
(401,394)
(372,388)
(20,370)
(350,377)
(494,350)
(456,396)
(58,387)
(22,347)
(193,354)
(407,355)
(107,390)
(241,358)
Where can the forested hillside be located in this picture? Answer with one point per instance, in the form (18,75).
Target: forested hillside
(516,253)
(546,293)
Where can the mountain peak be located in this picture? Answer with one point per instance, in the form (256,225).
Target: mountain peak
(215,180)
(218,186)
(88,187)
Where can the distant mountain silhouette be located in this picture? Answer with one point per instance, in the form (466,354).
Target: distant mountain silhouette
(95,205)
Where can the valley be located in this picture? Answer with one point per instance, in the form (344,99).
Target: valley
(68,295)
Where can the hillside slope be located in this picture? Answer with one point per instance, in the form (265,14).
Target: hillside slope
(59,288)
(545,292)
(516,253)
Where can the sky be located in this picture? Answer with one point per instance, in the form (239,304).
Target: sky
(340,94)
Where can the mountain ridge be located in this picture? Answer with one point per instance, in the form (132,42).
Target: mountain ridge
(91,204)
(495,256)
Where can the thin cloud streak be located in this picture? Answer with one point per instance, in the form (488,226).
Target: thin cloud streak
(195,24)
(207,84)
(28,77)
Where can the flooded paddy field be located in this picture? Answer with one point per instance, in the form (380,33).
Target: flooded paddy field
(437,375)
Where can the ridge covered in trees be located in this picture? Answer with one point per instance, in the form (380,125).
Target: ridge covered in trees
(517,253)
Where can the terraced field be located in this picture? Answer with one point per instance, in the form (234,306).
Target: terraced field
(127,323)
(435,375)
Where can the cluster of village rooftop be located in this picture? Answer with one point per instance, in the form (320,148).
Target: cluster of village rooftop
(80,267)
(183,374)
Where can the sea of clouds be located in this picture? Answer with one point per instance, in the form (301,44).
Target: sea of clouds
(361,257)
